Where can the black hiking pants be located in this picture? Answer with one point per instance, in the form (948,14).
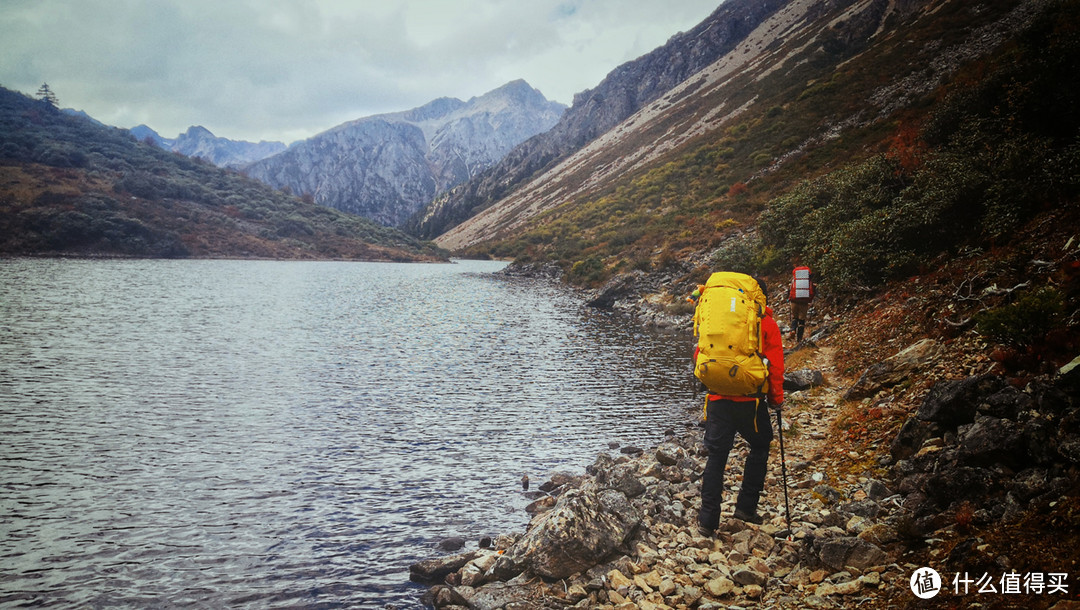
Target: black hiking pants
(723,419)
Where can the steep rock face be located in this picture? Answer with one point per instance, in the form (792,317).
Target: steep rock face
(622,93)
(376,169)
(387,167)
(199,142)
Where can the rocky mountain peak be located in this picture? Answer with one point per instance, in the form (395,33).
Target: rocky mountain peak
(196,131)
(433,110)
(387,167)
(200,142)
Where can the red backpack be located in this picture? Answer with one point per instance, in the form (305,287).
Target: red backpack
(802,289)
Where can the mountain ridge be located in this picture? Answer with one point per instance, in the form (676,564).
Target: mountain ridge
(70,186)
(201,143)
(386,167)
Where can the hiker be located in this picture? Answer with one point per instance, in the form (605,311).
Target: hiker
(799,297)
(737,409)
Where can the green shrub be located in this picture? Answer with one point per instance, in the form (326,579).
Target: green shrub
(587,271)
(737,253)
(1024,322)
(768,261)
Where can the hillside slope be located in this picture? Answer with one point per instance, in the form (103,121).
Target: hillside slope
(809,74)
(387,167)
(69,186)
(875,98)
(622,93)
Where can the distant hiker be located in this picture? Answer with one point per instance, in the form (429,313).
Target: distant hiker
(800,295)
(740,359)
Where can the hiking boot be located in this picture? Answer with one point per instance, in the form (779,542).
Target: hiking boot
(754,518)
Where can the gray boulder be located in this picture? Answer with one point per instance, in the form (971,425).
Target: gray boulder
(1008,403)
(434,570)
(802,379)
(911,437)
(497,594)
(840,553)
(621,477)
(991,441)
(954,403)
(580,532)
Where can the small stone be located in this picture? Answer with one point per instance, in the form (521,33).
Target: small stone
(652,578)
(752,591)
(817,576)
(857,525)
(758,565)
(849,588)
(872,579)
(691,594)
(669,454)
(667,587)
(746,576)
(825,589)
(617,580)
(879,534)
(718,587)
(839,553)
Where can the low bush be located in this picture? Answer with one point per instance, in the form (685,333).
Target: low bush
(1024,322)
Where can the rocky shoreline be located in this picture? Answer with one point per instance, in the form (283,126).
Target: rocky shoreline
(975,455)
(623,535)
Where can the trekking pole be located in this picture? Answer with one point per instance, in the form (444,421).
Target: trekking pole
(783,471)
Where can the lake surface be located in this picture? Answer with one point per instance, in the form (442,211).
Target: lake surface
(293,434)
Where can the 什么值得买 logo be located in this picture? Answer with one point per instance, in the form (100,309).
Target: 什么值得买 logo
(926,583)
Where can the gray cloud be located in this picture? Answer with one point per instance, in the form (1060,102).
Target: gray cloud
(287,69)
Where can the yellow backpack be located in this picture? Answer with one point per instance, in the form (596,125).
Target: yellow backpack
(727,322)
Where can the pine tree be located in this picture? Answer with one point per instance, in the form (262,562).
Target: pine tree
(46,95)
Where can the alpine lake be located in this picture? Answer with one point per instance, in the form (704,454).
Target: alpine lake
(266,434)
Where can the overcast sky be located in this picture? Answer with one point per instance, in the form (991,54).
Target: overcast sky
(287,69)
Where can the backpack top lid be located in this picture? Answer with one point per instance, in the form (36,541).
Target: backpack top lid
(739,281)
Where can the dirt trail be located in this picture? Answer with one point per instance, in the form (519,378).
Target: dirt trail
(808,417)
